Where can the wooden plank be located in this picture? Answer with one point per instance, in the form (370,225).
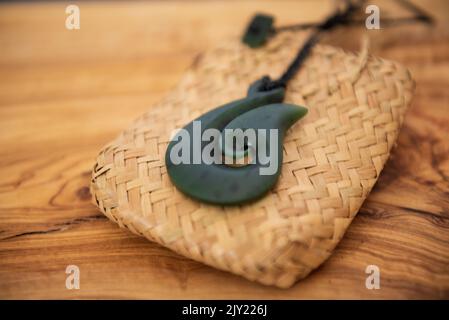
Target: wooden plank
(63,94)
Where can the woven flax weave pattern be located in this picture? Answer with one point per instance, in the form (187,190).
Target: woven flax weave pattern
(332,158)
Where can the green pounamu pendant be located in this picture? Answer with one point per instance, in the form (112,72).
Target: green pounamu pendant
(233,154)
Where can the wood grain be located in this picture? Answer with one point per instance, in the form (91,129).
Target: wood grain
(63,94)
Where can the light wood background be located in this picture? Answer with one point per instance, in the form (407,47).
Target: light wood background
(64,94)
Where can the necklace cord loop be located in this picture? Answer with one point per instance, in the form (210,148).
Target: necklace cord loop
(336,19)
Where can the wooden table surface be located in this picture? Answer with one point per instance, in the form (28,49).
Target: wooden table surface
(64,94)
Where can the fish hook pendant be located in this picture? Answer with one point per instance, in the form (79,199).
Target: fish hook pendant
(237,173)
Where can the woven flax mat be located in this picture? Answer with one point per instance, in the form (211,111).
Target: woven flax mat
(332,158)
